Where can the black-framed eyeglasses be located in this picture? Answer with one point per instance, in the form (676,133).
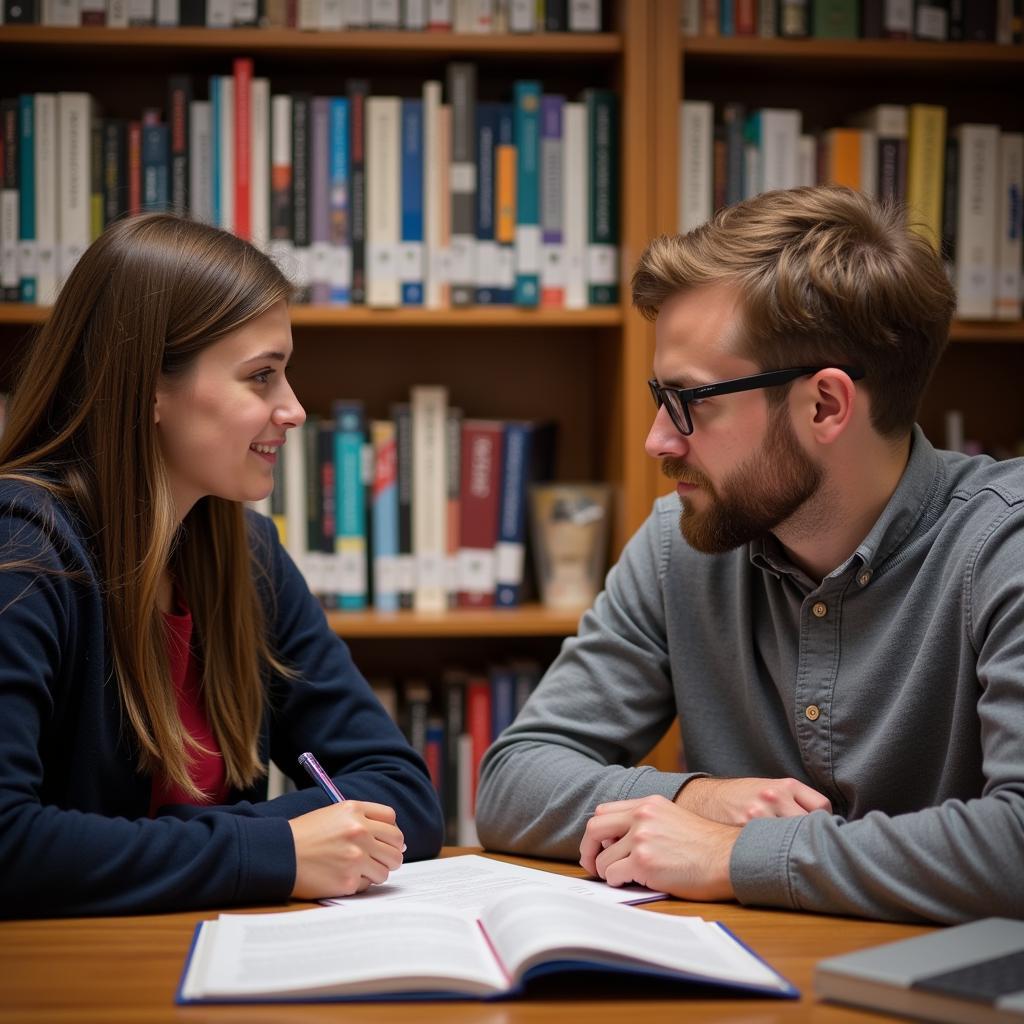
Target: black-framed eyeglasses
(677,400)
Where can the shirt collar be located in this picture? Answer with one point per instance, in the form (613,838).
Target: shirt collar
(909,501)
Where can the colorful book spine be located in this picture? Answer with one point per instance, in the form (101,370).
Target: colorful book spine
(385,515)
(527,134)
(506,161)
(242,88)
(510,550)
(225,142)
(215,150)
(357,90)
(552,206)
(155,159)
(339,236)
(410,252)
(27,246)
(603,237)
(350,503)
(481,482)
(486,244)
(926,146)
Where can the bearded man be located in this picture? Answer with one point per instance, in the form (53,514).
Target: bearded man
(831,608)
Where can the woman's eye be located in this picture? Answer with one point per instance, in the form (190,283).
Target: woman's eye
(263,377)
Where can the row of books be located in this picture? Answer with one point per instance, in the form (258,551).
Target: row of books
(452,721)
(962,187)
(985,21)
(426,509)
(472,16)
(435,200)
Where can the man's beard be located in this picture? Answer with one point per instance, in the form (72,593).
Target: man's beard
(763,492)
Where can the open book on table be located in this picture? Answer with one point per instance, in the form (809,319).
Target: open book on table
(430,951)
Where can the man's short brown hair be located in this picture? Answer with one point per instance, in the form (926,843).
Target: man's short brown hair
(825,276)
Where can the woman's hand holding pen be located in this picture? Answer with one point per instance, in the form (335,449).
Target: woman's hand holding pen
(344,848)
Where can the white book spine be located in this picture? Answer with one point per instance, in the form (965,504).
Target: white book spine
(584,15)
(141,12)
(117,13)
(168,13)
(245,12)
(357,13)
(47,208)
(220,13)
(386,14)
(1010,226)
(780,140)
(414,15)
(200,164)
(226,141)
(10,275)
(696,190)
(977,210)
(332,15)
(63,13)
(383,199)
(899,17)
(74,116)
(522,16)
(309,15)
(432,198)
(429,496)
(259,166)
(575,190)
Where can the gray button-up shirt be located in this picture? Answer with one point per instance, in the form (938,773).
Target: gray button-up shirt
(895,687)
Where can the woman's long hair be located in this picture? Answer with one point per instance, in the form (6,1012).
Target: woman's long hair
(143,301)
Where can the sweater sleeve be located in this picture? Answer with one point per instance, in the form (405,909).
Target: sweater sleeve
(329,709)
(61,861)
(953,862)
(602,705)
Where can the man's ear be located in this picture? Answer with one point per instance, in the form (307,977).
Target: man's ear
(833,397)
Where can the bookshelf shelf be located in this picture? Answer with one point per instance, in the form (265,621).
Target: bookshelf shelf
(350,316)
(283,42)
(860,55)
(528,621)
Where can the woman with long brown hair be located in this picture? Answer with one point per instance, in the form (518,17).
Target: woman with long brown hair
(157,644)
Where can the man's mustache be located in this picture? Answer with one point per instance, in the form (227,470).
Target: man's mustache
(677,471)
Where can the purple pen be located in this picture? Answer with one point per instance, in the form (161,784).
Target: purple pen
(320,777)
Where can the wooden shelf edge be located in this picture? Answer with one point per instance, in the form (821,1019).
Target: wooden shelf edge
(973,331)
(285,40)
(910,52)
(529,620)
(349,316)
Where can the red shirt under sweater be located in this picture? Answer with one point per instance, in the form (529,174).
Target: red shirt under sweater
(206,770)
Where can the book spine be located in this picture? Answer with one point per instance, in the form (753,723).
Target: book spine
(977,213)
(453,494)
(453,690)
(435,163)
(319,199)
(433,752)
(576,193)
(10,277)
(47,209)
(695,183)
(340,238)
(216,100)
(842,157)
(552,205)
(383,199)
(527,136)
(327,559)
(242,87)
(179,100)
(429,497)
(603,235)
(21,12)
(1009,226)
(478,727)
(733,117)
(410,253)
(301,182)
(357,91)
(135,167)
(926,146)
(510,551)
(402,415)
(155,159)
(350,503)
(74,112)
(780,130)
(96,207)
(259,169)
(506,160)
(461,84)
(385,516)
(486,246)
(226,147)
(281,243)
(481,481)
(28,290)
(503,698)
(584,15)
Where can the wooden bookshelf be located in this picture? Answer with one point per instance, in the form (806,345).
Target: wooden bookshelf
(532,620)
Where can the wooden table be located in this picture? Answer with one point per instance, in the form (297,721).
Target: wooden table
(127,969)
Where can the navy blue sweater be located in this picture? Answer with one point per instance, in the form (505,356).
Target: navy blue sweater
(74,833)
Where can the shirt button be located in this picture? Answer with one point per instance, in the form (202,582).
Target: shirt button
(864,578)
(813,712)
(820,609)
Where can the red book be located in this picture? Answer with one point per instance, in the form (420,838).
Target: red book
(243,147)
(746,17)
(134,167)
(480,498)
(478,723)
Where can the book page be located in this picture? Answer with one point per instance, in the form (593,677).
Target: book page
(539,926)
(330,951)
(469,883)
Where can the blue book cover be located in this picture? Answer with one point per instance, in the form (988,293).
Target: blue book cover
(384,505)
(350,504)
(726,18)
(527,133)
(156,156)
(339,208)
(487,115)
(503,698)
(410,267)
(27,198)
(215,115)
